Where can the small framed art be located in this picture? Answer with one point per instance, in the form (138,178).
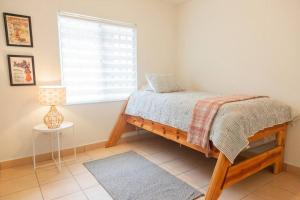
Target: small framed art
(21,70)
(18,30)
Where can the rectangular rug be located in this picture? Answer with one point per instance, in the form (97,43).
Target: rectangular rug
(130,176)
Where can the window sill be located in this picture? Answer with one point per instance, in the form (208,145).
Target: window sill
(95,102)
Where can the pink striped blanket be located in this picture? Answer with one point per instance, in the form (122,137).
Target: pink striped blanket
(203,116)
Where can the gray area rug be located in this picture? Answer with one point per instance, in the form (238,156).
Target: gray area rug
(129,176)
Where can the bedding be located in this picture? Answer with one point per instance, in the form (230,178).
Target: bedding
(233,124)
(203,116)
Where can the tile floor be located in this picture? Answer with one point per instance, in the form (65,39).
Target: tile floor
(74,182)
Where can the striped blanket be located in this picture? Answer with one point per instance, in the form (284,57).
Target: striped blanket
(204,113)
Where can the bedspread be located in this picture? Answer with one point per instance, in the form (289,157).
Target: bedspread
(233,124)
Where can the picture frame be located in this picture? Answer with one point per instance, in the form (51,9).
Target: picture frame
(21,70)
(18,30)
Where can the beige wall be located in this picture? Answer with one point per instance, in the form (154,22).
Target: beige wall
(250,46)
(227,46)
(18,105)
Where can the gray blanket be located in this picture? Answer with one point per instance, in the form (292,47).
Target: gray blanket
(233,125)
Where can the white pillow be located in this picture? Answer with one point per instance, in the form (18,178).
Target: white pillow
(162,83)
(147,88)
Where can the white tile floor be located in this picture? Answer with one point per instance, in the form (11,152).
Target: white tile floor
(74,182)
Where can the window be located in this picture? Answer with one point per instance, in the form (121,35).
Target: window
(98,59)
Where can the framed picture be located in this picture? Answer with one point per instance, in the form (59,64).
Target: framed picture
(18,30)
(21,70)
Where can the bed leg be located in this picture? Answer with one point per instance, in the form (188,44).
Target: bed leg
(280,140)
(120,127)
(216,183)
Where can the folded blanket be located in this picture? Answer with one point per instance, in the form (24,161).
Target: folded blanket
(204,113)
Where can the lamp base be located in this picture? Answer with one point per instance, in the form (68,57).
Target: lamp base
(53,118)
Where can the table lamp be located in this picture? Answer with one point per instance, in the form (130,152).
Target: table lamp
(52,96)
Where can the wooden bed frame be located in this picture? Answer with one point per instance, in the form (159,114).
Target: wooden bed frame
(225,174)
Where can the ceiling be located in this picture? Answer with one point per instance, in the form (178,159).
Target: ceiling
(176,1)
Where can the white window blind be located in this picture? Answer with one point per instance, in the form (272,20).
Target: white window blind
(99,59)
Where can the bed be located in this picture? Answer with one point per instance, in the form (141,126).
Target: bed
(236,126)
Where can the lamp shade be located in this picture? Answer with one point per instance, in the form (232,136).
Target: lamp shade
(52,95)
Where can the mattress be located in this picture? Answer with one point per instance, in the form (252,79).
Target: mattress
(234,123)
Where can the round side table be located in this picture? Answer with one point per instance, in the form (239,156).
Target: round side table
(43,129)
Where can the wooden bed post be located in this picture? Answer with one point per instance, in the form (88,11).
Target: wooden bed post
(217,181)
(120,127)
(280,141)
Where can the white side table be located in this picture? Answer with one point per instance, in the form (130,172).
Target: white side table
(43,129)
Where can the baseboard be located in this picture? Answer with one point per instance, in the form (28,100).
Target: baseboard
(88,147)
(292,169)
(65,152)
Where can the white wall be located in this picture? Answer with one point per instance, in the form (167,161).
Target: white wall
(19,109)
(250,46)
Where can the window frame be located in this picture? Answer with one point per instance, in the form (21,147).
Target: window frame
(101,20)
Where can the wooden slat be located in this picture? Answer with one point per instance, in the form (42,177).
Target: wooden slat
(167,132)
(252,165)
(182,139)
(148,125)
